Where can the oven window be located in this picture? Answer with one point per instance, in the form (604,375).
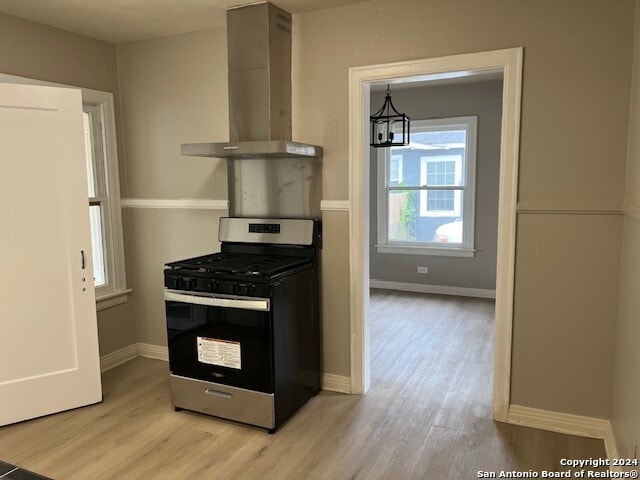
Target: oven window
(184,317)
(251,329)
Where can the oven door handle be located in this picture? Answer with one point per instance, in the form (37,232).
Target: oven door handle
(258,304)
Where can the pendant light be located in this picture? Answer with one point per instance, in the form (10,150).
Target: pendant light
(386,123)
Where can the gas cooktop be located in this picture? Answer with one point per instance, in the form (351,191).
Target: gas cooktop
(240,264)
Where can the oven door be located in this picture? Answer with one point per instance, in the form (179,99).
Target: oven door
(226,340)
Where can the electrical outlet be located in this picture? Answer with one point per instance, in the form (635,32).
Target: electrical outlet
(423,270)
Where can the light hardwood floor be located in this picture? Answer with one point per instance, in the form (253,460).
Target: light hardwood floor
(427,416)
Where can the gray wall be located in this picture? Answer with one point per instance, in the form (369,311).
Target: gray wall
(485,101)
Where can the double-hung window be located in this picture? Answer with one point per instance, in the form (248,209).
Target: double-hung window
(426,191)
(104,198)
(99,214)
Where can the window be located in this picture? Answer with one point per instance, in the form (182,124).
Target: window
(440,171)
(426,190)
(395,170)
(103,191)
(98,200)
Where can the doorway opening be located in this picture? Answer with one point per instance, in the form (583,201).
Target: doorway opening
(432,253)
(422,206)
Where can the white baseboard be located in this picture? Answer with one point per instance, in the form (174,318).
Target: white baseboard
(153,351)
(558,422)
(336,383)
(330,382)
(112,360)
(566,423)
(438,289)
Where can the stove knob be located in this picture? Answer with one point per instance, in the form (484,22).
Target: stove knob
(251,289)
(243,289)
(214,285)
(192,283)
(178,282)
(235,288)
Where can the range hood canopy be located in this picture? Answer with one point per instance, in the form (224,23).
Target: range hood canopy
(259,50)
(266,149)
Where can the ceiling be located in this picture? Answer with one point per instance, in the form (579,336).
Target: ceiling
(122,21)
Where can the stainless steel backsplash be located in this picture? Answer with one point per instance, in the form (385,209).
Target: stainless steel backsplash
(280,188)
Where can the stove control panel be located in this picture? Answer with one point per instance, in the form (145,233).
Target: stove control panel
(214,286)
(265,231)
(243,289)
(181,283)
(194,283)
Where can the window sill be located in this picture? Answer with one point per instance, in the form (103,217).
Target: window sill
(431,251)
(112,299)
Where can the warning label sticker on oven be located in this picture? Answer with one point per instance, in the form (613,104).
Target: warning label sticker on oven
(223,353)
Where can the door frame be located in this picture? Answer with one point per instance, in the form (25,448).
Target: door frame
(509,63)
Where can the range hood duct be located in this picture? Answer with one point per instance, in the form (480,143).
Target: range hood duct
(259,49)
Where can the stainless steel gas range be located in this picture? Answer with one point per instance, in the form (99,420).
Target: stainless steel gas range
(243,325)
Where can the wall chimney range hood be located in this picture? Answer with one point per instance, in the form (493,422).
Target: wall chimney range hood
(259,50)
(269,175)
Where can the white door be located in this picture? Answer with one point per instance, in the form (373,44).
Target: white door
(49,360)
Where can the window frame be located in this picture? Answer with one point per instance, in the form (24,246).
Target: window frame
(467,248)
(115,291)
(100,172)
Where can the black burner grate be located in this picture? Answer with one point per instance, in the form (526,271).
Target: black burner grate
(242,264)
